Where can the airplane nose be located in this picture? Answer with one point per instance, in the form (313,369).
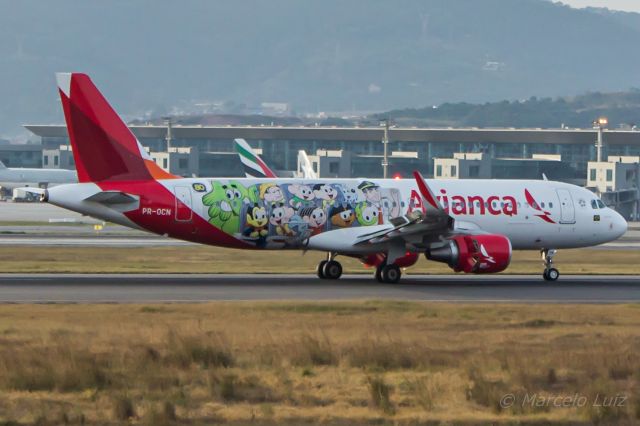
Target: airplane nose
(618,225)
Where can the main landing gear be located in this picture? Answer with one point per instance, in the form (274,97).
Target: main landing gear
(389,274)
(550,273)
(329,269)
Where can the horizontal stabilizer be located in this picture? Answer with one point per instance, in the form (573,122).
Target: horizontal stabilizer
(31,190)
(112,197)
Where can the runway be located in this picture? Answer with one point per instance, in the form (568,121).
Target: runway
(112,288)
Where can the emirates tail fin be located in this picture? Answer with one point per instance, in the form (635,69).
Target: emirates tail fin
(104,148)
(253,165)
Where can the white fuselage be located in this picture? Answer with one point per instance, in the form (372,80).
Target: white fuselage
(531,214)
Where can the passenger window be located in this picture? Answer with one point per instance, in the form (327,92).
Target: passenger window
(550,205)
(542,204)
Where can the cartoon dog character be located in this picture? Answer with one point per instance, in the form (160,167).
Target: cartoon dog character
(367,215)
(315,218)
(225,203)
(280,217)
(327,193)
(271,193)
(349,195)
(342,216)
(257,224)
(302,196)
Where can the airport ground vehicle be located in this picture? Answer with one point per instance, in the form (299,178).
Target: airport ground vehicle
(472,225)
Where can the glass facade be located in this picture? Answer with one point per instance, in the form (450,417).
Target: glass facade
(282,154)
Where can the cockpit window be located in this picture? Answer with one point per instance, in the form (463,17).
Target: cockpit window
(601,204)
(594,204)
(598,204)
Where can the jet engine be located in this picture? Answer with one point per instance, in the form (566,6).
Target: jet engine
(475,254)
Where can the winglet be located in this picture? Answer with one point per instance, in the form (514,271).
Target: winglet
(254,167)
(426,192)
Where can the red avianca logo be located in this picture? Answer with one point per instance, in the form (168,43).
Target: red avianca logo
(533,203)
(477,205)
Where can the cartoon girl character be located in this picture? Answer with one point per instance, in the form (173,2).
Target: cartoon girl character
(315,218)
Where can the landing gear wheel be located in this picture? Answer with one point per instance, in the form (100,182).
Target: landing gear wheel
(551,274)
(320,269)
(332,270)
(391,274)
(378,273)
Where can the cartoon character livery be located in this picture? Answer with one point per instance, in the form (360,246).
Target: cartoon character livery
(471,225)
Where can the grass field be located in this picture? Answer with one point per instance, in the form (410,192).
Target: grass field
(205,259)
(302,363)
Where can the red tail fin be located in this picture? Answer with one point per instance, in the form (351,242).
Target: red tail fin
(104,148)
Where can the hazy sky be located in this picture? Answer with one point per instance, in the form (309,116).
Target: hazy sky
(628,5)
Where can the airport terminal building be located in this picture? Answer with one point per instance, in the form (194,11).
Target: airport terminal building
(561,154)
(412,147)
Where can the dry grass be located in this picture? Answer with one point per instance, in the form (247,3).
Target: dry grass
(205,259)
(335,363)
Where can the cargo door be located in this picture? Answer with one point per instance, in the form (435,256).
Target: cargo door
(568,211)
(184,205)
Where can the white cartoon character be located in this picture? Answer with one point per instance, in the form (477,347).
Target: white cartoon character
(326,193)
(280,217)
(350,195)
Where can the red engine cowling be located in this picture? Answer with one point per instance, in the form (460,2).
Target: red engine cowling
(405,261)
(475,254)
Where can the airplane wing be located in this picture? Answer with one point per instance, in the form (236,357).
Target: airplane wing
(254,167)
(435,222)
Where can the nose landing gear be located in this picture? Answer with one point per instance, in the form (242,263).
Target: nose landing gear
(550,273)
(329,269)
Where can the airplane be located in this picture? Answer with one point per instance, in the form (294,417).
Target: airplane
(12,178)
(471,225)
(253,165)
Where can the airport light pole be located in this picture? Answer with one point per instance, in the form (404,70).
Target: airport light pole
(385,143)
(600,124)
(167,122)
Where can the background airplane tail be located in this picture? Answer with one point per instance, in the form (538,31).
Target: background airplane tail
(104,149)
(2,166)
(253,165)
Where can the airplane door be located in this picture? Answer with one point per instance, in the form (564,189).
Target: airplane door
(184,205)
(568,211)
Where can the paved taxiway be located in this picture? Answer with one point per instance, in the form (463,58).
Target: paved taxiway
(109,288)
